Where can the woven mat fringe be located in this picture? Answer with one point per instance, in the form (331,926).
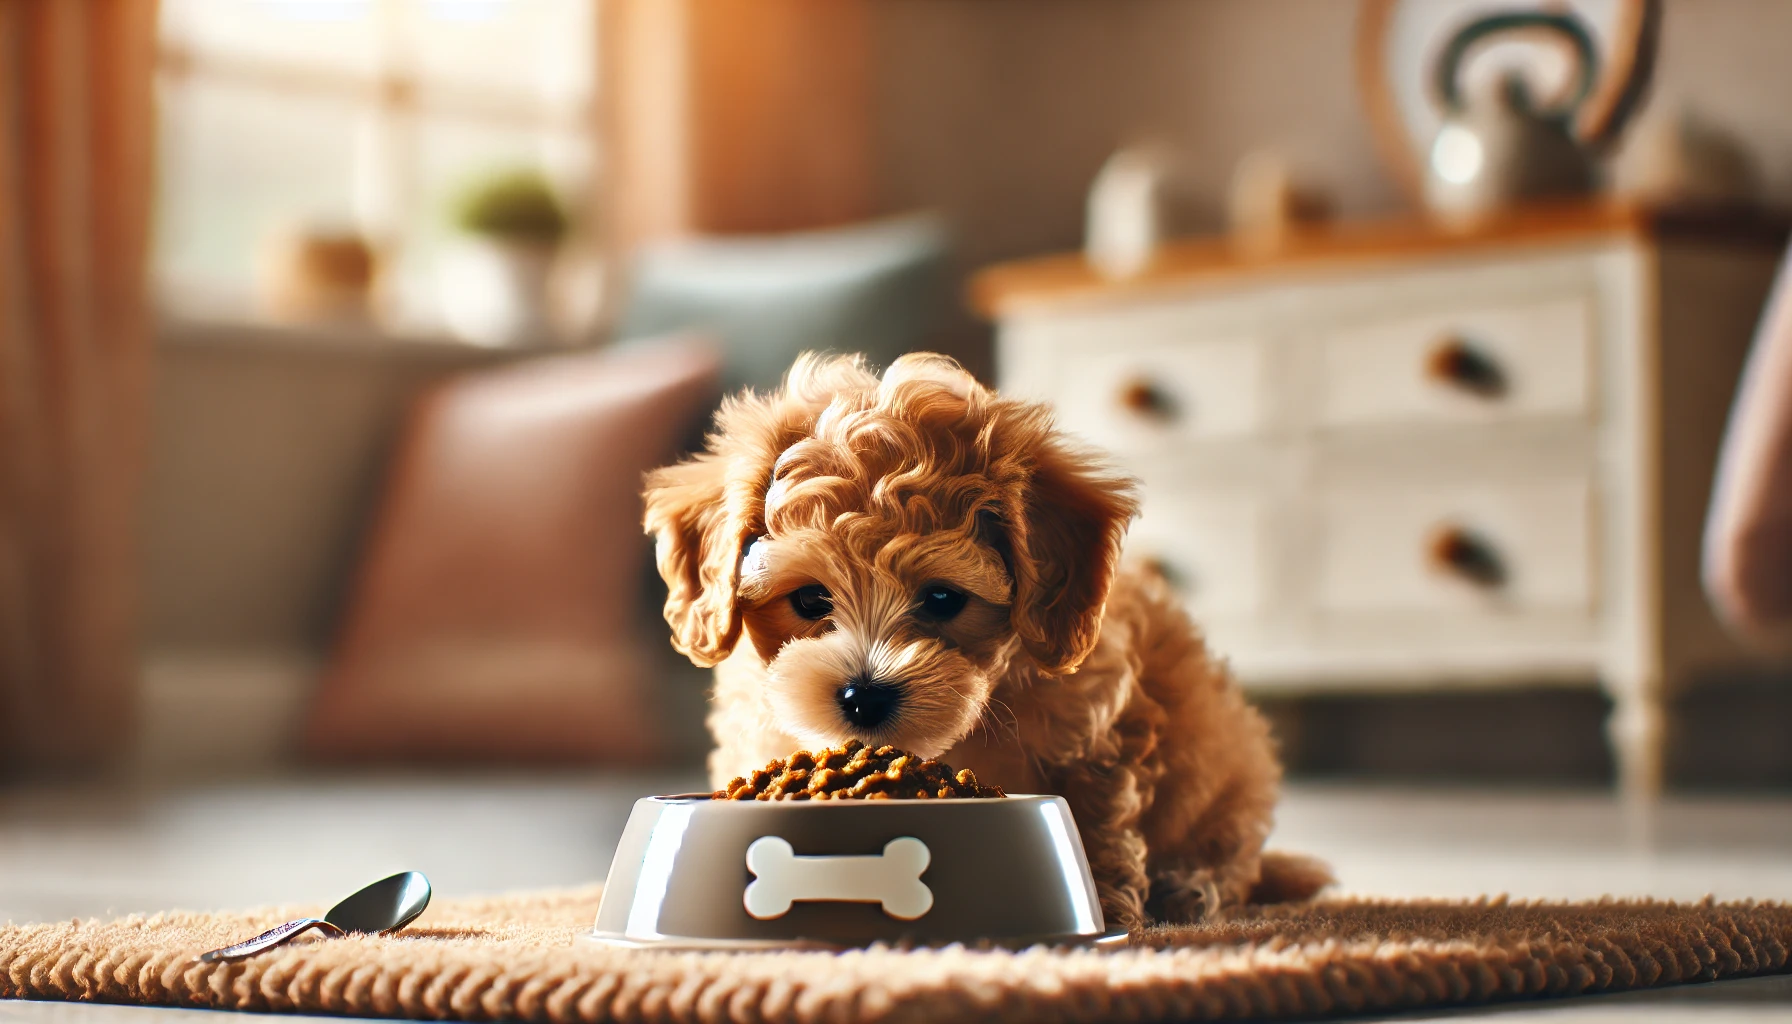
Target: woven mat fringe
(521,958)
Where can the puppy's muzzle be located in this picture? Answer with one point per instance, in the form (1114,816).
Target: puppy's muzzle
(867,703)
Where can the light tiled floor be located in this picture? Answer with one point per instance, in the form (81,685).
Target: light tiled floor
(83,853)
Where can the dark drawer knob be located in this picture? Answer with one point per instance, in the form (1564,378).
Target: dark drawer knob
(1460,364)
(1138,395)
(1465,554)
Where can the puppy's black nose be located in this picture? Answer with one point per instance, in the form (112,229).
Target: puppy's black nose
(866,703)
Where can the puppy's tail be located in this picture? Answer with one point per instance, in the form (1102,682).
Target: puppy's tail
(1290,877)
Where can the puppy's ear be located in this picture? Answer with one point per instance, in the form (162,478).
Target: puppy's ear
(698,533)
(1064,547)
(704,511)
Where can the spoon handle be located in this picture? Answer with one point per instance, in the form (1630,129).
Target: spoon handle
(269,939)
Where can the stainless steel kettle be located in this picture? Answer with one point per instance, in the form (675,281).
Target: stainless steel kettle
(1502,147)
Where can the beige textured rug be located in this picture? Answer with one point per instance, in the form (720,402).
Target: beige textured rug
(520,958)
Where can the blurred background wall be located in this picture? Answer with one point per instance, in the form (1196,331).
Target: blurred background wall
(1001,113)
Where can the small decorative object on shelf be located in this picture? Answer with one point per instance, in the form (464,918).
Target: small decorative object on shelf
(1126,211)
(495,281)
(1503,145)
(1266,202)
(1684,160)
(315,274)
(1461,94)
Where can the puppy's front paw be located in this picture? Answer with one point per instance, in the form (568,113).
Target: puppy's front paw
(1182,897)
(1122,907)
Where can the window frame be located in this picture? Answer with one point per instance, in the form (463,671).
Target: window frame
(397,99)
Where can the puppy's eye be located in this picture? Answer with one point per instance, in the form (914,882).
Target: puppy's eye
(811,602)
(940,602)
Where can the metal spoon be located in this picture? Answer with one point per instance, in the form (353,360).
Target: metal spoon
(385,906)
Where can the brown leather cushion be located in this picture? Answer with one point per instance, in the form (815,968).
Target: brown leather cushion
(500,611)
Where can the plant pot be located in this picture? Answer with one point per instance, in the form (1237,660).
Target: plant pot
(494,292)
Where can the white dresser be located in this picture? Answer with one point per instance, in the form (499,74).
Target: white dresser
(1385,456)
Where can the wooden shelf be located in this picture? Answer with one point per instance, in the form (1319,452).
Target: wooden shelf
(1000,288)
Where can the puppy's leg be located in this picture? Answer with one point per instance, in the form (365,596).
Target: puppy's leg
(745,737)
(739,752)
(1106,803)
(1187,893)
(1182,895)
(1217,774)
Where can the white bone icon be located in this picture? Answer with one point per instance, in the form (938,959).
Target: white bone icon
(892,878)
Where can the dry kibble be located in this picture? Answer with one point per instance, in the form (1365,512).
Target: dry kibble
(856,772)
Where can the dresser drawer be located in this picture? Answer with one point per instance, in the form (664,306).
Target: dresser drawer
(1493,547)
(1210,548)
(1468,365)
(1136,397)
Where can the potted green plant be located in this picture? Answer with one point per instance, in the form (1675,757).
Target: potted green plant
(495,277)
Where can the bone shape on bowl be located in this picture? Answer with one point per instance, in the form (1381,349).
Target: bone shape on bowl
(892,878)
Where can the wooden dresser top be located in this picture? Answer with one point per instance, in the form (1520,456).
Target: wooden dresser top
(998,289)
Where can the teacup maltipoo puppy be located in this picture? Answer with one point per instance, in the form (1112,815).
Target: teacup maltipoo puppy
(915,560)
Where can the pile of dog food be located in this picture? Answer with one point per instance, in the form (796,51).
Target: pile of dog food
(856,772)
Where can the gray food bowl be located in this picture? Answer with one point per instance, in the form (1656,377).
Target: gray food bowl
(701,873)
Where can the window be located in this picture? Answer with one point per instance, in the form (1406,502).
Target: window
(358,116)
